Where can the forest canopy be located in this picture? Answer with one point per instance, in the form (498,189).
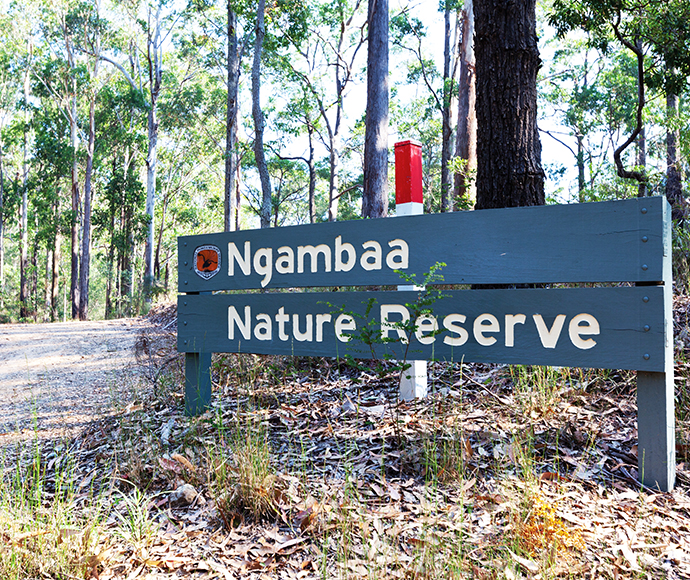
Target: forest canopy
(125,124)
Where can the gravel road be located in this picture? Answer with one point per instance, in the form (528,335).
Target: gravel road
(55,378)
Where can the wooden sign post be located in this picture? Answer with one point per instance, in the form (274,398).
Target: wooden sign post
(607,301)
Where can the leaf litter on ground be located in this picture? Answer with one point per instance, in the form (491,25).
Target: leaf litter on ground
(499,472)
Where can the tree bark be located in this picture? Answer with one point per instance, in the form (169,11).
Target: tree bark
(312,173)
(674,185)
(580,160)
(55,280)
(86,230)
(24,307)
(155,66)
(231,119)
(642,161)
(74,143)
(466,139)
(447,202)
(258,116)
(375,198)
(509,171)
(85,265)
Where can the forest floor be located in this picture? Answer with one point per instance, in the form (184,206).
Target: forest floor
(310,468)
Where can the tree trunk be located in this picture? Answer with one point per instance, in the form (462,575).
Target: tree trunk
(109,276)
(259,121)
(47,283)
(55,281)
(334,163)
(466,140)
(231,119)
(580,169)
(312,174)
(447,202)
(375,198)
(24,222)
(258,116)
(34,279)
(86,231)
(674,185)
(509,171)
(159,241)
(74,221)
(642,161)
(155,65)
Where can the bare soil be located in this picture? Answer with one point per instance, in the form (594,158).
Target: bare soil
(55,378)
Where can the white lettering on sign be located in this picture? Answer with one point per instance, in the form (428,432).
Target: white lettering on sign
(342,257)
(394,319)
(452,323)
(342,323)
(511,321)
(485,323)
(549,337)
(583,324)
(388,326)
(426,324)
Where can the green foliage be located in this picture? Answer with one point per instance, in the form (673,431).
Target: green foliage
(370,335)
(660,25)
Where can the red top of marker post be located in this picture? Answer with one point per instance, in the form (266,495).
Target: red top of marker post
(408,172)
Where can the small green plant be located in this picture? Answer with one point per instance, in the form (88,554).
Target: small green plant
(39,540)
(242,478)
(134,523)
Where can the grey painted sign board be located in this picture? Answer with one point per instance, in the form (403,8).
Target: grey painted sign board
(578,327)
(591,242)
(626,323)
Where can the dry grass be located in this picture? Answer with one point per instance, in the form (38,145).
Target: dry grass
(303,469)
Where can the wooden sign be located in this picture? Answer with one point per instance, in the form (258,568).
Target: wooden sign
(590,242)
(582,327)
(625,322)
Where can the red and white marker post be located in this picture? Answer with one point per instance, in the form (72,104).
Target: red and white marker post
(409,200)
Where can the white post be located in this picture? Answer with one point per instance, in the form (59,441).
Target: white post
(409,200)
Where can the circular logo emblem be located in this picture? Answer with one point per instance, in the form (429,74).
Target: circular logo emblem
(207,261)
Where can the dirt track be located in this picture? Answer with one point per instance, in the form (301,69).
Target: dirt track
(55,378)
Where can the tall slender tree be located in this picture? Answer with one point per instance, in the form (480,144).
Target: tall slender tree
(231,159)
(92,24)
(375,198)
(24,304)
(258,116)
(466,135)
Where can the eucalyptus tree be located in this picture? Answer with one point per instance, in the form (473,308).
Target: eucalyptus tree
(375,194)
(298,117)
(8,103)
(325,55)
(220,33)
(87,28)
(258,116)
(151,27)
(119,218)
(51,160)
(509,171)
(591,93)
(466,132)
(59,71)
(657,34)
